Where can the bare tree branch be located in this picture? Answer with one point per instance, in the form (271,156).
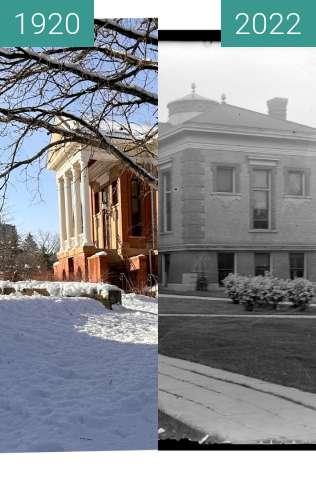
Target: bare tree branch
(108,91)
(128,32)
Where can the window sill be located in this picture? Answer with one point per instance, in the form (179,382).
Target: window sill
(299,197)
(166,233)
(257,230)
(226,194)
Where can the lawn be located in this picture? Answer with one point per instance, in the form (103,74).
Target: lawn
(281,351)
(212,292)
(225,306)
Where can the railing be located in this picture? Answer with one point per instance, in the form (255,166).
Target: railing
(129,287)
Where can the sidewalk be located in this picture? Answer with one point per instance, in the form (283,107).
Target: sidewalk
(233,407)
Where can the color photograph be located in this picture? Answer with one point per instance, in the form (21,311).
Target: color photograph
(78,243)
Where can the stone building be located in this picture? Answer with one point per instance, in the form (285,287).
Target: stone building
(237,192)
(107,219)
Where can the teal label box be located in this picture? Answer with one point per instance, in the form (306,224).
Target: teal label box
(268,23)
(47,23)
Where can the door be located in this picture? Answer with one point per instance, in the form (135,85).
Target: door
(106,216)
(225,265)
(71,269)
(115,240)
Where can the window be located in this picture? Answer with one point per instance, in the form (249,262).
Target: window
(261,199)
(225,265)
(262,263)
(296,265)
(225,179)
(114,193)
(136,207)
(96,203)
(105,197)
(296,183)
(105,216)
(166,202)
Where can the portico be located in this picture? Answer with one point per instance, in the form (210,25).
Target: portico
(74,207)
(107,218)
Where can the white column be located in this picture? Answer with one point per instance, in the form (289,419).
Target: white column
(68,203)
(61,205)
(86,214)
(77,203)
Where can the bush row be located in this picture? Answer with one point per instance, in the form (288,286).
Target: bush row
(268,290)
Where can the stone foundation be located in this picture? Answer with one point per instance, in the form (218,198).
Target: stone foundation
(130,274)
(184,266)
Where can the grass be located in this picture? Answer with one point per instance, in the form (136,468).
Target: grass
(213,292)
(281,351)
(225,306)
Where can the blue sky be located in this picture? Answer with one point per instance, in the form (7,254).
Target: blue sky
(31,214)
(32,202)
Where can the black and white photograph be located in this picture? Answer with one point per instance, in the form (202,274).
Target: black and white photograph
(237,244)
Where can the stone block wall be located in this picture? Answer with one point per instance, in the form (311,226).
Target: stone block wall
(98,267)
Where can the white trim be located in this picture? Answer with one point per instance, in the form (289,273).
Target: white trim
(85,200)
(246,132)
(263,162)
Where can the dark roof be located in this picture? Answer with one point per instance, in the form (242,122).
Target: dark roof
(230,115)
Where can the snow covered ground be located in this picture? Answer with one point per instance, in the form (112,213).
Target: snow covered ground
(75,376)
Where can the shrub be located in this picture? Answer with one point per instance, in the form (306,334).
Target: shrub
(268,290)
(300,292)
(254,291)
(234,285)
(276,291)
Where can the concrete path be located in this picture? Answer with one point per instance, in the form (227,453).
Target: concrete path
(194,297)
(246,315)
(233,407)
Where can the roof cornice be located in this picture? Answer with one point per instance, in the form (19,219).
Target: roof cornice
(240,131)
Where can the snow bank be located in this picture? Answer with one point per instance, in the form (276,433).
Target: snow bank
(133,322)
(140,302)
(63,289)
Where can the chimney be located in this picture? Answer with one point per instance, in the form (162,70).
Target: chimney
(277,107)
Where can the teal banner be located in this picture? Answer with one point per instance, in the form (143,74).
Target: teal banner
(268,23)
(47,23)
